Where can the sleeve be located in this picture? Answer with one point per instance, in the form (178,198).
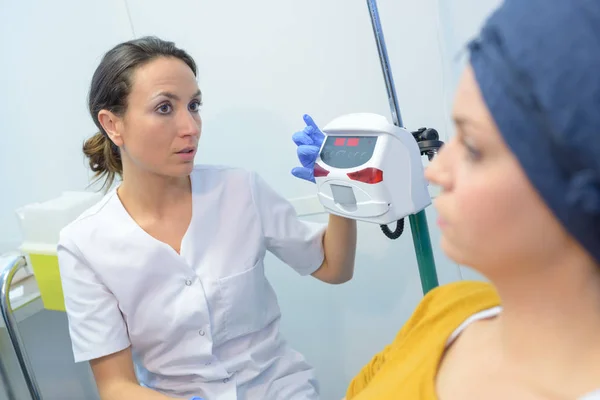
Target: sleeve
(362,379)
(295,242)
(96,326)
(370,370)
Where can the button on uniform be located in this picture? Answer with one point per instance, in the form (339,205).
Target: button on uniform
(188,282)
(201,332)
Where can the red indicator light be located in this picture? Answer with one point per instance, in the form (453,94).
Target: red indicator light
(353,142)
(320,171)
(339,142)
(367,175)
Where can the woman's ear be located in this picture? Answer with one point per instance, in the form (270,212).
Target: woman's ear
(112,125)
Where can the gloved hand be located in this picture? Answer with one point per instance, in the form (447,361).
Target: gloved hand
(309,142)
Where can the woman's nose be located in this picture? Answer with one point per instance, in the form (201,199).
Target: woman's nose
(438,172)
(189,124)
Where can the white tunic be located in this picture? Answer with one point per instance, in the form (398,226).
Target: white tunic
(204,322)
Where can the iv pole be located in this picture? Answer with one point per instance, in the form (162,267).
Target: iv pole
(418,222)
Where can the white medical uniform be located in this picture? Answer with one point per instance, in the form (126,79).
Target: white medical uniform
(203,322)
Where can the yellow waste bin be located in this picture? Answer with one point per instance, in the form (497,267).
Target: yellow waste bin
(41,224)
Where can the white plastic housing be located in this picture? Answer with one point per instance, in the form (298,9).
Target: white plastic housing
(401,192)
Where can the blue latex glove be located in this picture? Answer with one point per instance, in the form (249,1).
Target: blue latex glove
(309,142)
(196,398)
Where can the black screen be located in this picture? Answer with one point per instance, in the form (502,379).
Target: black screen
(348,151)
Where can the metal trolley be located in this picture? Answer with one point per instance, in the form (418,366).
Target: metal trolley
(6,277)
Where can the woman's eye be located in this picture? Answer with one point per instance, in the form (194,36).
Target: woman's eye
(164,108)
(472,153)
(195,106)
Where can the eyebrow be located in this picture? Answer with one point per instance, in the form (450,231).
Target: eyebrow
(173,96)
(461,121)
(466,124)
(470,129)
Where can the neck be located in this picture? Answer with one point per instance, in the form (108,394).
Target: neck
(551,320)
(152,193)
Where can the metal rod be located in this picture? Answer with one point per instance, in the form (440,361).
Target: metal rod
(422,243)
(5,382)
(418,222)
(6,278)
(385,63)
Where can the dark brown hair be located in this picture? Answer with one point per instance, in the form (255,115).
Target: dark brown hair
(109,90)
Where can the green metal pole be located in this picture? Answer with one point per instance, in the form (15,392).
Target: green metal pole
(422,243)
(418,222)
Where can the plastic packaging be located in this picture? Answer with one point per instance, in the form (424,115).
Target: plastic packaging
(40,225)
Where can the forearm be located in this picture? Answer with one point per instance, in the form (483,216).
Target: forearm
(130,391)
(339,244)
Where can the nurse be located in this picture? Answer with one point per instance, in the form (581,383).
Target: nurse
(168,268)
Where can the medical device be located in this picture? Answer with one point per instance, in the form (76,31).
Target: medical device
(371,170)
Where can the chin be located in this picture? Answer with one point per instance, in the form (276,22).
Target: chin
(175,173)
(475,261)
(452,252)
(181,171)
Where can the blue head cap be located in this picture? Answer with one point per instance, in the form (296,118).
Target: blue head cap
(537,64)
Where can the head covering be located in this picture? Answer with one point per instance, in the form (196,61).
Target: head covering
(537,64)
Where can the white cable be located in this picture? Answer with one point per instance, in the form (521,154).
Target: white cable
(445,92)
(129,17)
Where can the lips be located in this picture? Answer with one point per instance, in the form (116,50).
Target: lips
(187,150)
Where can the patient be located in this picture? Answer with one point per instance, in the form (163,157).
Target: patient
(520,203)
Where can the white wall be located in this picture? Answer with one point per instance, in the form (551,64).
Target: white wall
(460,22)
(261,66)
(49,53)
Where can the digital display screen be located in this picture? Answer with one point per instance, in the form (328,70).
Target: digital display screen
(348,151)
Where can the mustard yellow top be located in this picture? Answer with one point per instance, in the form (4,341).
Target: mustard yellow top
(407,368)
